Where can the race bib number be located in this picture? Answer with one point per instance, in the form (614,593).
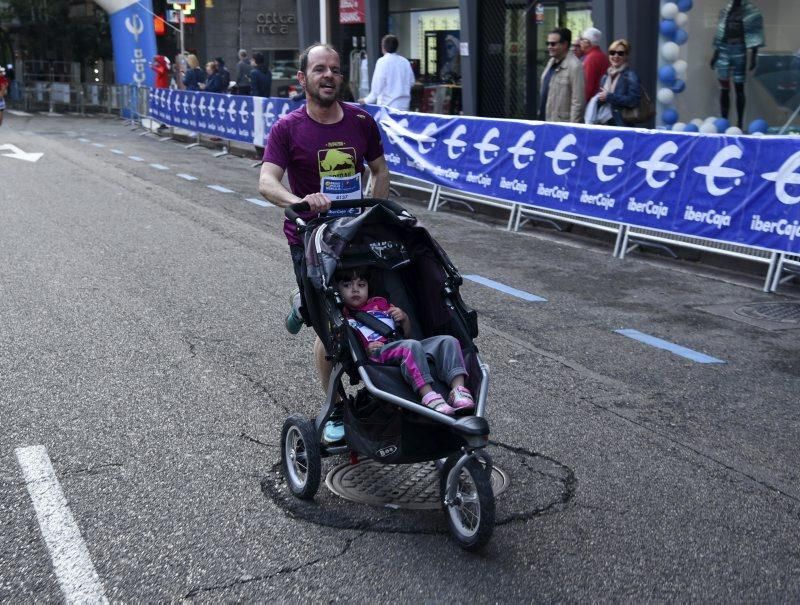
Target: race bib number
(339,188)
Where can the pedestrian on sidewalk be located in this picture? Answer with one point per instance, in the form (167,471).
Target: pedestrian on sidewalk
(595,61)
(243,69)
(562,96)
(3,91)
(194,77)
(393,78)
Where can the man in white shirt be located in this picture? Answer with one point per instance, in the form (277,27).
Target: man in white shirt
(393,78)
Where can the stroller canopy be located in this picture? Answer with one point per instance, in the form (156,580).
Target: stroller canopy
(379,237)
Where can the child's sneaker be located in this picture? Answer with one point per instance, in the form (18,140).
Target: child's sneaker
(461,399)
(294,321)
(435,402)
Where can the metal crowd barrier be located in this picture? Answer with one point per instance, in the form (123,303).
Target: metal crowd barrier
(132,104)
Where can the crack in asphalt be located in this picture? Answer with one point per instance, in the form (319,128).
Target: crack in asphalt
(348,542)
(247,437)
(262,389)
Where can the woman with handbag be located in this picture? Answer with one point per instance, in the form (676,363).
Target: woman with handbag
(620,88)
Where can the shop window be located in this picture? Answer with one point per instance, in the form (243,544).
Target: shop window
(771,91)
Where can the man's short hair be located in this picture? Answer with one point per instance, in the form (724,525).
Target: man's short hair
(305,53)
(593,35)
(242,53)
(258,58)
(389,43)
(564,33)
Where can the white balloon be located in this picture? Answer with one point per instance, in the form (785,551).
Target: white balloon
(681,19)
(665,96)
(678,126)
(710,120)
(670,51)
(670,10)
(697,122)
(680,66)
(708,128)
(734,130)
(758,134)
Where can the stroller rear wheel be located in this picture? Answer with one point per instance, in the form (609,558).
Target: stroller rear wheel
(470,514)
(300,457)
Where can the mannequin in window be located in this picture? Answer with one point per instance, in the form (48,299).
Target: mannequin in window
(740,27)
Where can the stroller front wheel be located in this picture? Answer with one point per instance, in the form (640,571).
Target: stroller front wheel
(300,457)
(470,513)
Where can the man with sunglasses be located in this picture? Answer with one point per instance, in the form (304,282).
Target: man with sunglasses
(562,92)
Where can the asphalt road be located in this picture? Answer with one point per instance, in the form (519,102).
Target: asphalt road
(142,344)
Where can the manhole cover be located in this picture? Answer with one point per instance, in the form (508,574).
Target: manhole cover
(782,312)
(409,486)
(541,486)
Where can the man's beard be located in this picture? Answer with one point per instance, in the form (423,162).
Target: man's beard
(313,93)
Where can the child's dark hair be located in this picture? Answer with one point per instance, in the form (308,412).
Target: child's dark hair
(352,273)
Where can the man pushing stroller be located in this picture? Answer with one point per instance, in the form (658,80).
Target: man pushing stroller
(300,144)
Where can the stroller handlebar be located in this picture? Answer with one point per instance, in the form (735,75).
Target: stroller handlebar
(291,212)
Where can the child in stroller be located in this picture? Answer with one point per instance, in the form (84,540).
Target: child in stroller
(375,320)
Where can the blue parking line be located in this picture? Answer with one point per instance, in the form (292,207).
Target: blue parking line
(258,202)
(506,289)
(669,346)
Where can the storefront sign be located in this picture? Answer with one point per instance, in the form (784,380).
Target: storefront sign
(352,12)
(269,25)
(275,23)
(539,12)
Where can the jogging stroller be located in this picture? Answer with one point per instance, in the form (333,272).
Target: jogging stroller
(384,420)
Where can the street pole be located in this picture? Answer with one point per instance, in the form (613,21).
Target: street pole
(180,20)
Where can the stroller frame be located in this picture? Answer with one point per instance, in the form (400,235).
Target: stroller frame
(301,439)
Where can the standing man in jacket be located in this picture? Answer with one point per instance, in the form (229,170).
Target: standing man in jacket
(393,78)
(243,69)
(595,61)
(562,93)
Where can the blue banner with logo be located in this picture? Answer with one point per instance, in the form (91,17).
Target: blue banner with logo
(134,42)
(234,117)
(738,189)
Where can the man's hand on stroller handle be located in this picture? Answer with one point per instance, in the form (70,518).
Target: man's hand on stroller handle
(317,202)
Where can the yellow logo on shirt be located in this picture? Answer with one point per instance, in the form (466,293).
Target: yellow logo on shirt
(337,162)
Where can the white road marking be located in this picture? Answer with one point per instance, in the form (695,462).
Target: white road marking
(135,158)
(71,562)
(17,112)
(159,166)
(51,114)
(83,140)
(187,177)
(98,145)
(117,151)
(220,188)
(258,202)
(18,154)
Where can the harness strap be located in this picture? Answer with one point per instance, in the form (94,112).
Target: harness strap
(375,324)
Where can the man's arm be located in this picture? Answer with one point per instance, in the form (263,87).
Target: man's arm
(271,187)
(377,83)
(380,177)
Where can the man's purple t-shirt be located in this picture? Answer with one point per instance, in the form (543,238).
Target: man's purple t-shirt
(310,151)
